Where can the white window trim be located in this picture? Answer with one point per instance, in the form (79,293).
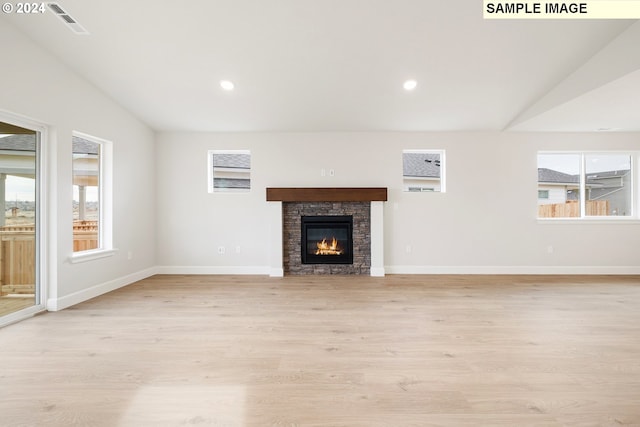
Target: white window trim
(105,219)
(90,255)
(634,218)
(210,187)
(590,220)
(443,170)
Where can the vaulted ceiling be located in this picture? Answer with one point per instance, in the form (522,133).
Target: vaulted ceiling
(339,65)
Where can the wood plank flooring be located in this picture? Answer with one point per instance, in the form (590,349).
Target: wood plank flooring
(332,351)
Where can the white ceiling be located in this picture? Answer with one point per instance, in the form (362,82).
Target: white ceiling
(339,65)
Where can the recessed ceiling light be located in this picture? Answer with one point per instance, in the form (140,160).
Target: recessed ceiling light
(226,84)
(410,85)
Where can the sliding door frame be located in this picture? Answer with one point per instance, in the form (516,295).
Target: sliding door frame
(44,216)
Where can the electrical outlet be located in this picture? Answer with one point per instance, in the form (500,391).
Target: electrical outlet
(332,172)
(221,250)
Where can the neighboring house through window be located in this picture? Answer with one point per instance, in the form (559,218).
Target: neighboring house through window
(229,171)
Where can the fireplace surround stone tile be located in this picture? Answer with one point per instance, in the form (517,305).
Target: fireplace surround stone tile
(291,235)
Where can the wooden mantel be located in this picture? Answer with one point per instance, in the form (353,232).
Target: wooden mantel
(322,194)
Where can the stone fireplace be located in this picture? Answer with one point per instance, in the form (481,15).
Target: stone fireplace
(295,261)
(343,227)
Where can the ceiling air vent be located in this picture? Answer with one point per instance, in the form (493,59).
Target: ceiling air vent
(67,19)
(56,9)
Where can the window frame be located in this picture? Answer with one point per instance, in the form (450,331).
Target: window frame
(105,196)
(634,182)
(406,188)
(45,191)
(211,176)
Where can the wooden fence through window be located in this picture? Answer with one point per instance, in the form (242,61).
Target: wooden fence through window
(18,254)
(572,209)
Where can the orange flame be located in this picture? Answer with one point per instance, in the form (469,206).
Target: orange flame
(325,248)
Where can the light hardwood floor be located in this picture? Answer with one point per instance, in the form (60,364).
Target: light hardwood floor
(332,351)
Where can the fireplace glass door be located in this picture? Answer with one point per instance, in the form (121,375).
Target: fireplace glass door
(327,239)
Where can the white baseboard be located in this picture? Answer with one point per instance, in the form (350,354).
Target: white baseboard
(57,304)
(542,270)
(276,272)
(377,271)
(239,270)
(414,269)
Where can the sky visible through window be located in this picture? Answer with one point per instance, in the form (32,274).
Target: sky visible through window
(91,193)
(570,163)
(20,189)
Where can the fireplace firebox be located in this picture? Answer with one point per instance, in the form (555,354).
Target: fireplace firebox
(327,239)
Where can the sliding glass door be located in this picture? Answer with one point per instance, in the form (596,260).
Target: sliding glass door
(19,226)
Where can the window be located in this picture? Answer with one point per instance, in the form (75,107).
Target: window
(229,171)
(423,170)
(605,180)
(91,193)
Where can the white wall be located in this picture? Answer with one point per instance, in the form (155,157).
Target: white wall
(485,222)
(37,86)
